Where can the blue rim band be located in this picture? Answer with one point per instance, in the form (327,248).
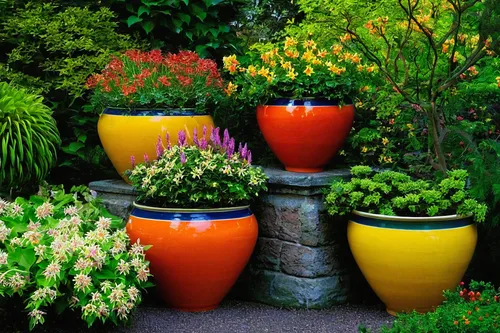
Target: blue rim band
(305,102)
(191,217)
(411,225)
(159,112)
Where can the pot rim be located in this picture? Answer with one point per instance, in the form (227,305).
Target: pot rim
(410,218)
(189,210)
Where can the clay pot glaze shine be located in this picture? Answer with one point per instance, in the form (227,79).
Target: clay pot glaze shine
(305,134)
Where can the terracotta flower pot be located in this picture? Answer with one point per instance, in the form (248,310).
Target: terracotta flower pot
(305,134)
(196,255)
(410,261)
(134,134)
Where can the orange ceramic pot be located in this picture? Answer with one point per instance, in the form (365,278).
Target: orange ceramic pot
(196,255)
(305,134)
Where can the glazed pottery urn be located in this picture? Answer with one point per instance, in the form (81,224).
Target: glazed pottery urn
(197,254)
(410,261)
(305,134)
(124,134)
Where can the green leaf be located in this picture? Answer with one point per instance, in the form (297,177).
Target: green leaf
(212,2)
(199,12)
(25,258)
(105,274)
(74,147)
(184,17)
(133,20)
(148,26)
(142,10)
(82,138)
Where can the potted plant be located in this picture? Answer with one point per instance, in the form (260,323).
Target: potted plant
(412,239)
(146,94)
(303,95)
(193,207)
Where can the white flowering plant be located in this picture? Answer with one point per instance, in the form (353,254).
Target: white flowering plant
(211,173)
(65,251)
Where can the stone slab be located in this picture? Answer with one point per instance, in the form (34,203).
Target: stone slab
(319,179)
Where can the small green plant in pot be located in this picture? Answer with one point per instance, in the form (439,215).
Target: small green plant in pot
(408,235)
(193,207)
(146,93)
(28,136)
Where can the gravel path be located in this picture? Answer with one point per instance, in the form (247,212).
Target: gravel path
(235,317)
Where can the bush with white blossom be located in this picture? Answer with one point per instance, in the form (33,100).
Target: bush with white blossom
(66,249)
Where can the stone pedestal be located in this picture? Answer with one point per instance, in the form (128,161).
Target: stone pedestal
(301,260)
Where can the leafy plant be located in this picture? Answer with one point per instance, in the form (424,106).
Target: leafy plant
(68,252)
(209,174)
(149,79)
(28,135)
(423,48)
(397,194)
(465,310)
(204,26)
(297,69)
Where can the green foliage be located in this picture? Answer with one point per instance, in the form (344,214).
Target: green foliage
(397,194)
(465,310)
(28,135)
(151,80)
(52,50)
(205,175)
(63,253)
(201,25)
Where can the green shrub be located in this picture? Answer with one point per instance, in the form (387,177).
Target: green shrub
(67,252)
(28,135)
(397,194)
(465,310)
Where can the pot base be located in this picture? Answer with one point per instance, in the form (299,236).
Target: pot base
(304,170)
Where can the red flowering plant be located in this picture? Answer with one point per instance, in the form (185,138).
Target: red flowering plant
(139,79)
(473,309)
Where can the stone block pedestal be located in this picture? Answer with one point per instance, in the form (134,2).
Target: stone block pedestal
(301,260)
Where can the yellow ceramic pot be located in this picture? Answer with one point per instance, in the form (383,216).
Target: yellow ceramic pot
(135,134)
(408,261)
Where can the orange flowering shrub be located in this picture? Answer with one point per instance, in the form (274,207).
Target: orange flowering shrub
(298,69)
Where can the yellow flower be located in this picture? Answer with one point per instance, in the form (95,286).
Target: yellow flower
(230,89)
(310,44)
(308,71)
(345,38)
(289,42)
(292,74)
(252,70)
(334,69)
(385,141)
(360,68)
(336,49)
(286,65)
(364,149)
(270,77)
(322,53)
(292,54)
(410,127)
(272,63)
(363,89)
(308,56)
(265,57)
(317,61)
(230,63)
(370,69)
(263,71)
(387,159)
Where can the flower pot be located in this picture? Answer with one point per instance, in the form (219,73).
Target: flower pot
(134,134)
(196,255)
(408,261)
(305,134)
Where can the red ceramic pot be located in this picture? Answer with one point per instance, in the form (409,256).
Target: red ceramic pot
(305,134)
(196,255)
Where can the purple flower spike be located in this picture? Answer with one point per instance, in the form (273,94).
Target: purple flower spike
(195,137)
(215,137)
(203,143)
(225,140)
(230,147)
(244,151)
(146,158)
(182,138)
(132,160)
(249,157)
(183,157)
(159,147)
(204,131)
(168,142)
(240,148)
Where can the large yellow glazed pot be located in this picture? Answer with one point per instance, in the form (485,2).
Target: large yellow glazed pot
(409,261)
(136,133)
